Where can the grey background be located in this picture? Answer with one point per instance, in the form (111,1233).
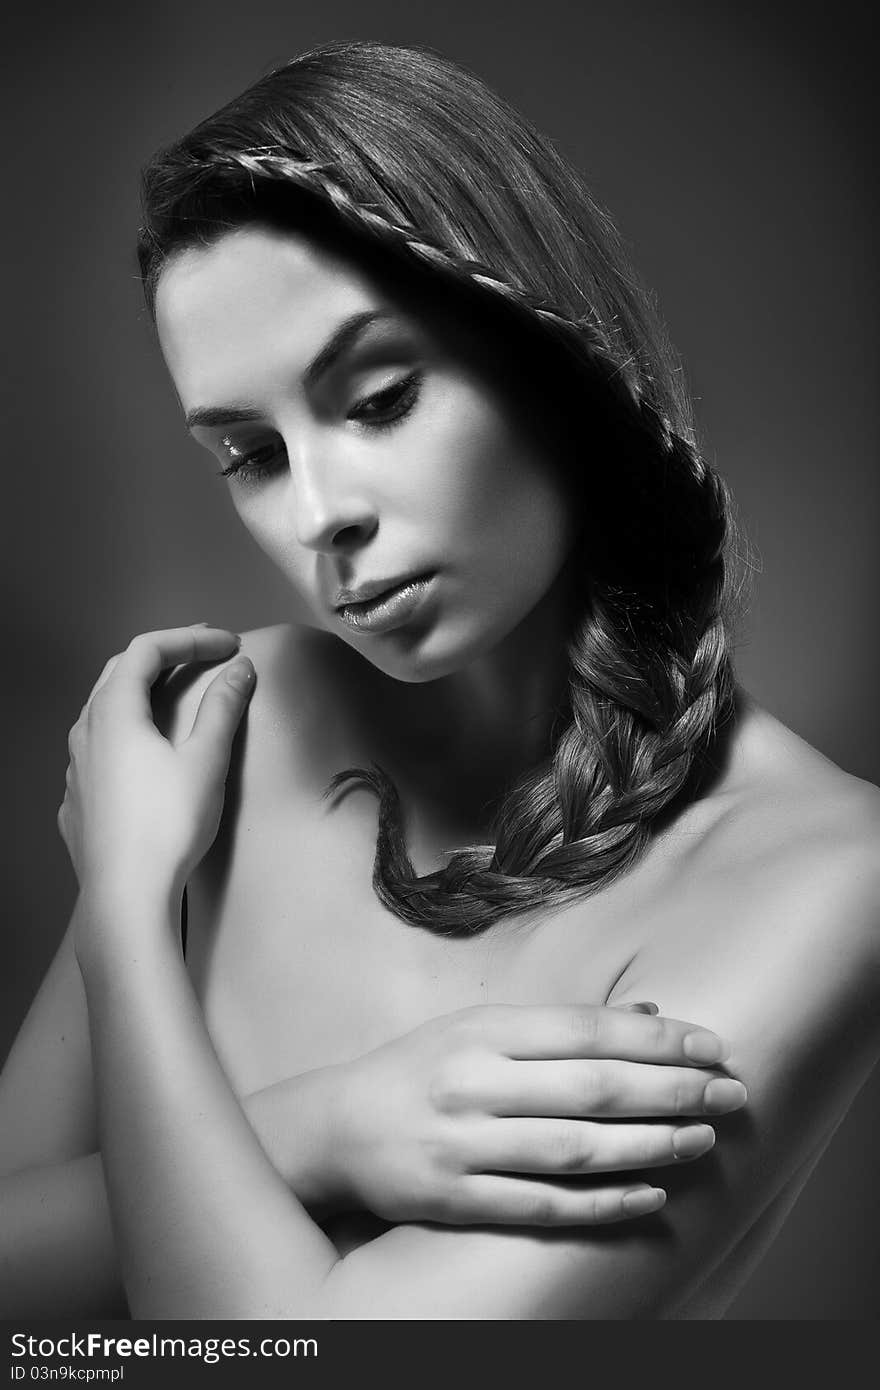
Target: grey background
(730,142)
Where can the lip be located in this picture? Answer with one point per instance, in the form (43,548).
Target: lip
(372,589)
(380,606)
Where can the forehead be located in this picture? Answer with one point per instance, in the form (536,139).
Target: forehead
(252,305)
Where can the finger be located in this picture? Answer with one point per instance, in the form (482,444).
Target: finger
(610,1089)
(643,1007)
(109,668)
(168,672)
(77,730)
(488,1198)
(537,1031)
(571,1147)
(220,711)
(150,653)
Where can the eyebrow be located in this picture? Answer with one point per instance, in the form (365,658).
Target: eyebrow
(340,341)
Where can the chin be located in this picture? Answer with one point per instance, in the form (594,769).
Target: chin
(415,658)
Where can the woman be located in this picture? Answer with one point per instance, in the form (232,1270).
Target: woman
(398,322)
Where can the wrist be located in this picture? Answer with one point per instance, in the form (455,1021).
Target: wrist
(300,1123)
(120,888)
(113,916)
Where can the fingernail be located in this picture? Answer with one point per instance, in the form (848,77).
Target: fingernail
(643,1200)
(646,1006)
(705,1047)
(234,635)
(240,674)
(692,1141)
(724,1094)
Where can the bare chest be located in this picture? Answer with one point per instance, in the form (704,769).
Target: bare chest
(297,964)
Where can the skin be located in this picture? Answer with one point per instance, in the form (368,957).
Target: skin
(490,649)
(455,485)
(393,1168)
(775,865)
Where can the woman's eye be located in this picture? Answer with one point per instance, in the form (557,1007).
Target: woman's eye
(252,464)
(381,410)
(386,407)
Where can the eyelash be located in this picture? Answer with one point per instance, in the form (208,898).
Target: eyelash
(403,395)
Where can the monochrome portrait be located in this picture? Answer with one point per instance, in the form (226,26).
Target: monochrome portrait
(443,876)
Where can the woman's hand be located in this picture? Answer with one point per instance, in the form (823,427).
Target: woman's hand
(474,1116)
(139,810)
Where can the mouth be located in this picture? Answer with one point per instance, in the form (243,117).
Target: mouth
(382,606)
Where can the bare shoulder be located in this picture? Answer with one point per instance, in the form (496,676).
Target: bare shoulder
(775,937)
(176,698)
(795,824)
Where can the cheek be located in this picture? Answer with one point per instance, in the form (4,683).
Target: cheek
(264,520)
(491,485)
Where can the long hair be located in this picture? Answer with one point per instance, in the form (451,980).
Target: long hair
(415,161)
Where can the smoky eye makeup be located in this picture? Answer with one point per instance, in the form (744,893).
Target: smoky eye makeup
(389,346)
(251,460)
(390,404)
(380,409)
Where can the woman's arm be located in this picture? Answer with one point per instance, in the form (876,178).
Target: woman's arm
(388,1133)
(57,1254)
(57,1251)
(179,1229)
(130,958)
(240,1245)
(363,1135)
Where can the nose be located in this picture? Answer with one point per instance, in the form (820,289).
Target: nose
(333,510)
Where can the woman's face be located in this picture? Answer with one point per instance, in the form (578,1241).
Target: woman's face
(367,449)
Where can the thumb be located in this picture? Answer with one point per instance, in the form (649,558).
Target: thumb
(219,714)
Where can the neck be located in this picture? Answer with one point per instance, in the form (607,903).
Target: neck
(454,745)
(506,702)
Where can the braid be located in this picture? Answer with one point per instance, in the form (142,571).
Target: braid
(639,731)
(399,235)
(650,668)
(583,334)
